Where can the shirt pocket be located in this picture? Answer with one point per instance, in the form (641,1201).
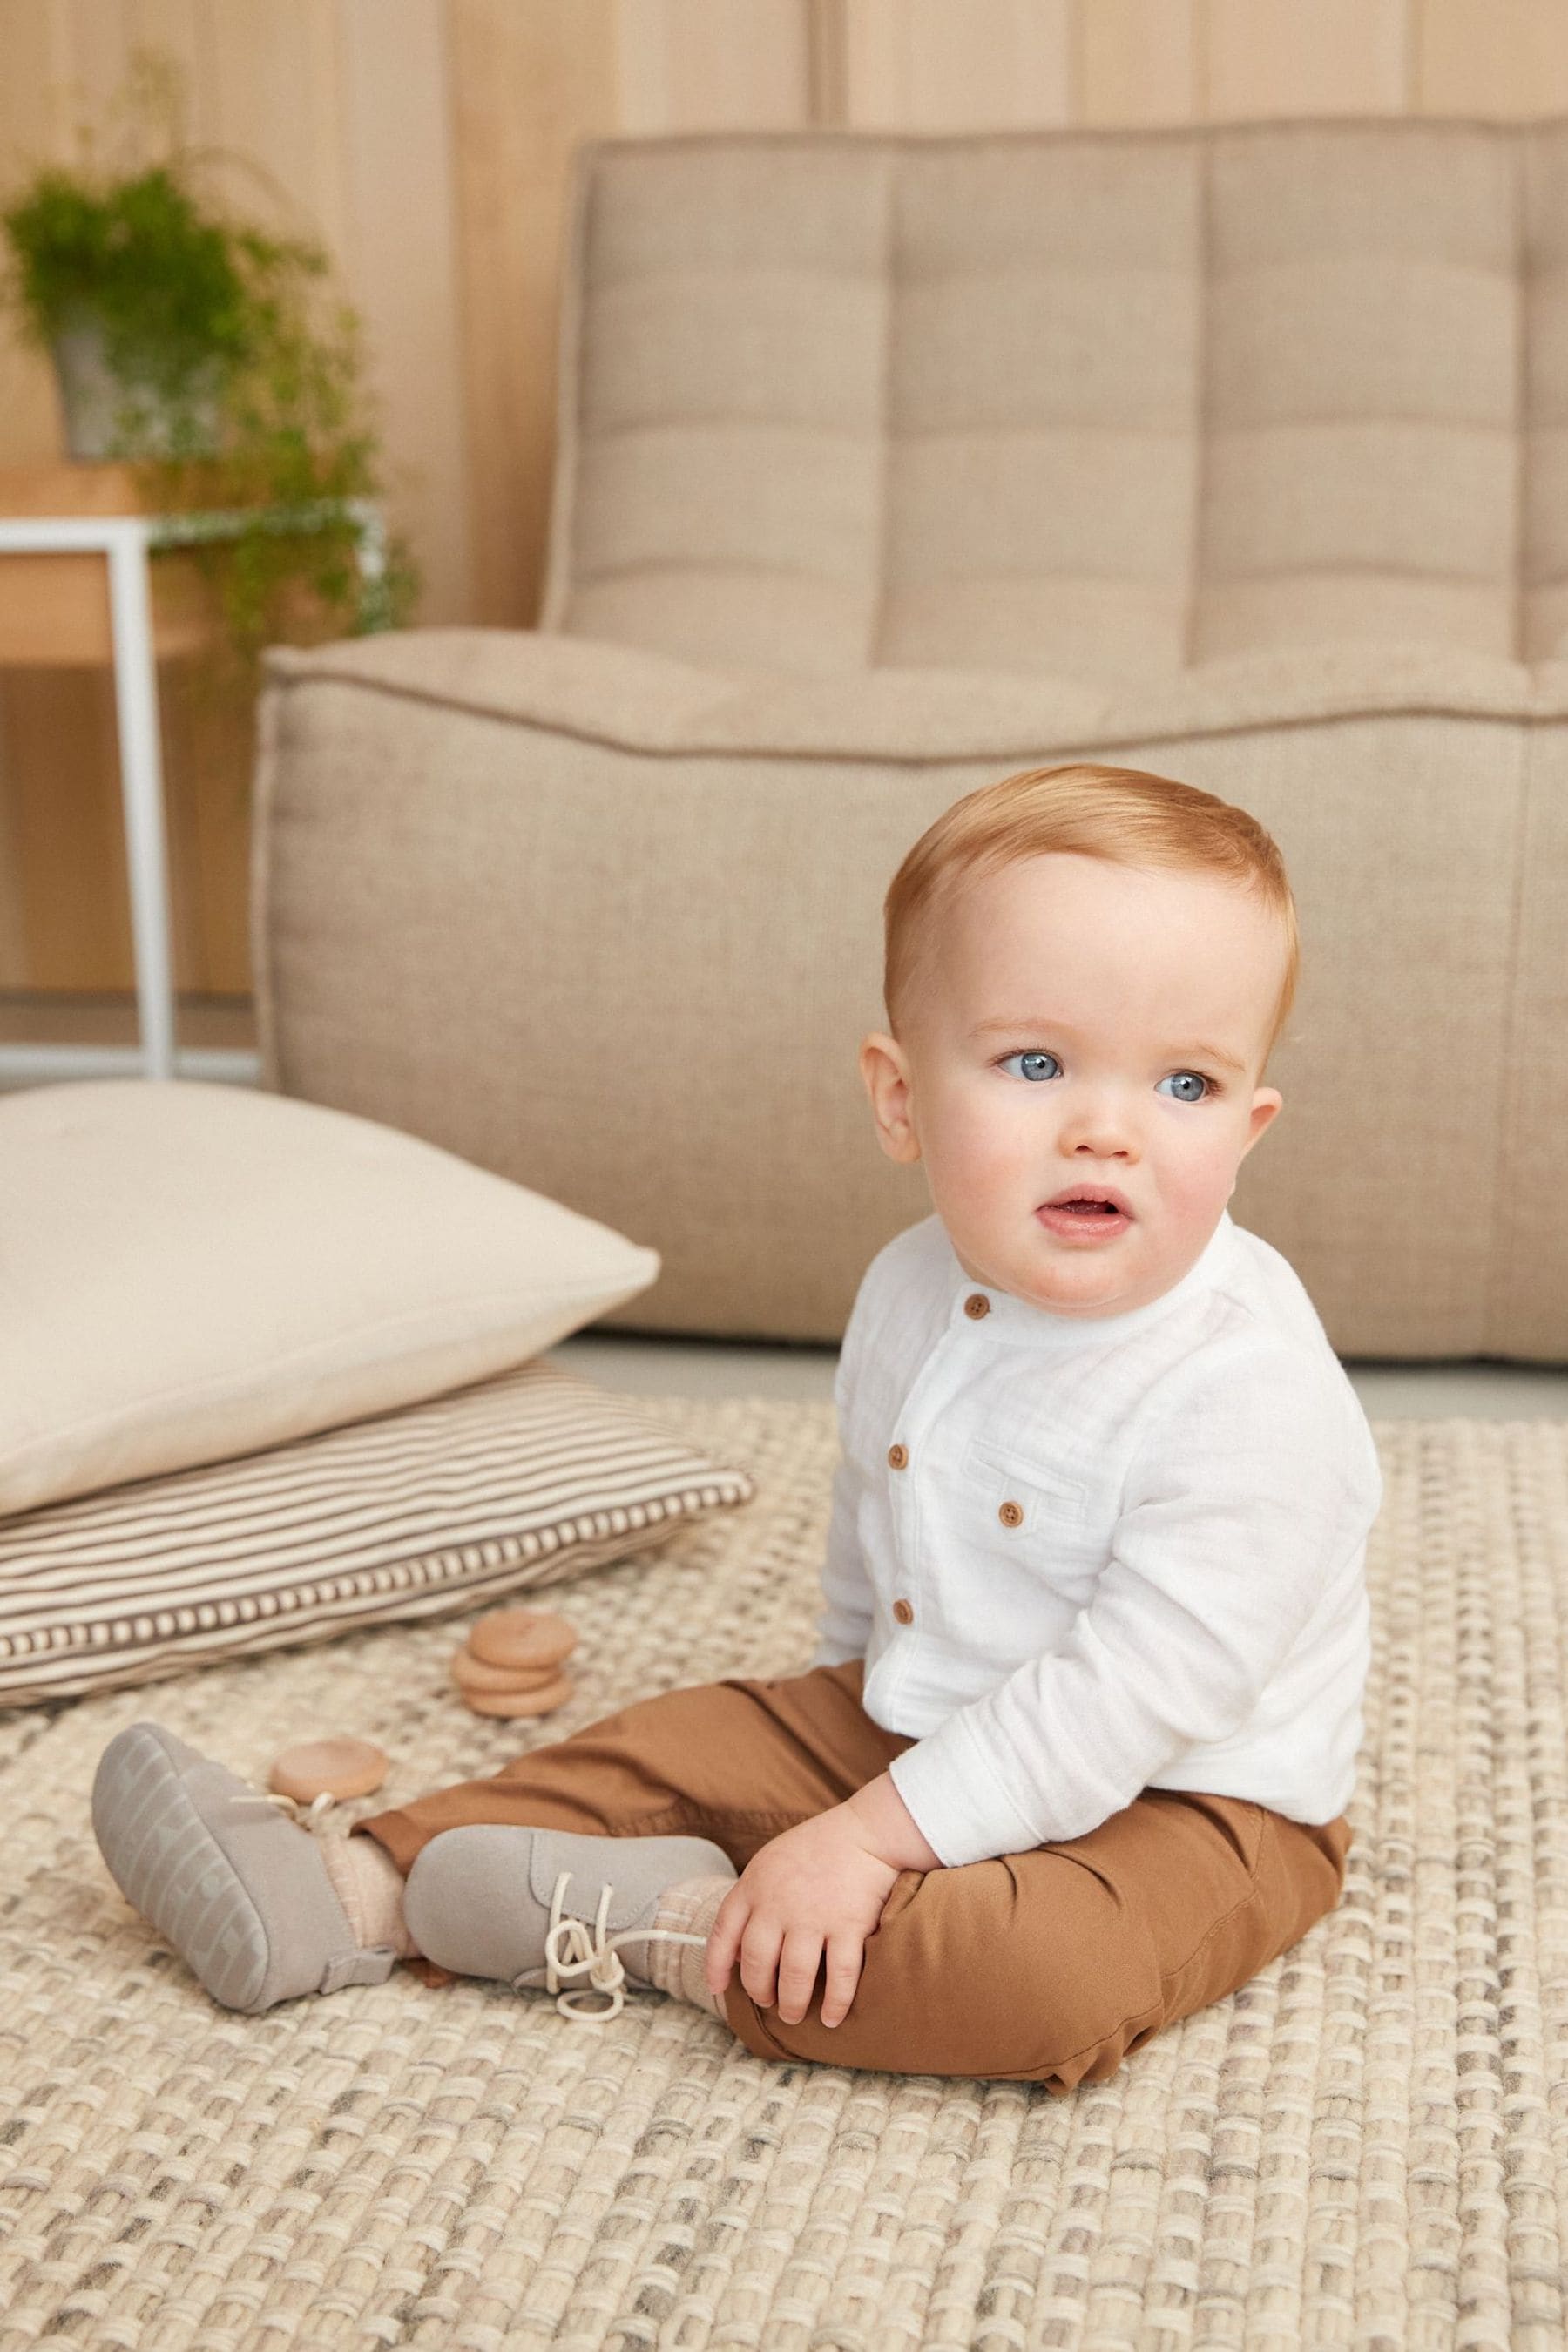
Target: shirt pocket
(1016,1557)
(1040,1495)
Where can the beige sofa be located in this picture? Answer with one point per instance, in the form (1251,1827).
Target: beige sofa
(888,465)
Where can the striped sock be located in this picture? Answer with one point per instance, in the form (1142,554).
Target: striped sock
(690,1908)
(369,1886)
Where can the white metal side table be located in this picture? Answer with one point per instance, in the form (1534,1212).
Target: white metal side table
(126,541)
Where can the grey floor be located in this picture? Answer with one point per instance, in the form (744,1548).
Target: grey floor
(1388,1391)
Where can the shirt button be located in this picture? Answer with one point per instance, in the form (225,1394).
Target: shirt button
(977,1305)
(1010,1513)
(903,1612)
(898,1455)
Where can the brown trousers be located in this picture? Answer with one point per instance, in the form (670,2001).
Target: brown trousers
(1042,1966)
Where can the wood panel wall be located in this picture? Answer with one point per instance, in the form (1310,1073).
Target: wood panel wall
(426,144)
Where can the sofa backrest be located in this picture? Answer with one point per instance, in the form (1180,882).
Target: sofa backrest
(1104,402)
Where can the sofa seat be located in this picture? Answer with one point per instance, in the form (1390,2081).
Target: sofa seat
(610,923)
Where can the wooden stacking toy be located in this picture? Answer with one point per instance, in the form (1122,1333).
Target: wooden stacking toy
(513,1664)
(329,1767)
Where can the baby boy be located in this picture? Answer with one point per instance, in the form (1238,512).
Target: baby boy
(1072,1757)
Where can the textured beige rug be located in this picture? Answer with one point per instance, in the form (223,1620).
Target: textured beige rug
(1367,2145)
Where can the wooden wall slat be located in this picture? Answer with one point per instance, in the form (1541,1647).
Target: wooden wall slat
(64,822)
(1507,58)
(704,64)
(180,27)
(15,968)
(1279,58)
(1136,61)
(924,64)
(402,260)
(527,85)
(277,71)
(33,101)
(644,68)
(876,67)
(208,752)
(828,63)
(69,920)
(95,43)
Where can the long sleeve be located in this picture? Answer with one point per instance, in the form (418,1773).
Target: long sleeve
(844,1625)
(1233,1516)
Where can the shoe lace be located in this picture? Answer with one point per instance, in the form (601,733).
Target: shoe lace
(572,1950)
(308,1816)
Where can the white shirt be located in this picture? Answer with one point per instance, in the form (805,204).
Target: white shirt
(1119,1554)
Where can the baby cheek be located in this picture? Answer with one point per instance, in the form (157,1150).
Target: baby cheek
(976,1169)
(997,1152)
(1194,1183)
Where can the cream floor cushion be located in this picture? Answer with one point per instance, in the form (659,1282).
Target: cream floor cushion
(194,1272)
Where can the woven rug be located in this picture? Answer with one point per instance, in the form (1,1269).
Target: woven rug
(1367,2145)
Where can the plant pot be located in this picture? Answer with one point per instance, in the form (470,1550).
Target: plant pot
(91,396)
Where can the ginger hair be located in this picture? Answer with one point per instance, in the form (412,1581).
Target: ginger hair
(1126,815)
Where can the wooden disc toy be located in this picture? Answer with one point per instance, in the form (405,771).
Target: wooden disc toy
(521,1637)
(513,1705)
(472,1674)
(329,1767)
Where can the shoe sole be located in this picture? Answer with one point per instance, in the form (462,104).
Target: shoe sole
(170,1867)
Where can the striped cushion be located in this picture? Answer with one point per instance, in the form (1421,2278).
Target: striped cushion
(524,1480)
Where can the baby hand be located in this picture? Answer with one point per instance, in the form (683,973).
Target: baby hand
(816,1886)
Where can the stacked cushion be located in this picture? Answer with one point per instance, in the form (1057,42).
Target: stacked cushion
(522,1481)
(268,1372)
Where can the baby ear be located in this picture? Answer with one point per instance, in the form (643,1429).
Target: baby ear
(884,1068)
(1267,1102)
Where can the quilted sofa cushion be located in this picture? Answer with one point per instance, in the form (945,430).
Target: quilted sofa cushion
(1105,403)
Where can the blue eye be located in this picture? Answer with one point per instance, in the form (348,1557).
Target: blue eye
(1036,1073)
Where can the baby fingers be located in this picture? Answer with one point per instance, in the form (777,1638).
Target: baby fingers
(761,1943)
(846,1955)
(798,1964)
(724,1940)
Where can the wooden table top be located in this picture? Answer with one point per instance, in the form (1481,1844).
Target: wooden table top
(54,607)
(72,487)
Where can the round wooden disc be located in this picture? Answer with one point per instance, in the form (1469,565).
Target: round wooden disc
(471,1673)
(521,1637)
(333,1768)
(514,1705)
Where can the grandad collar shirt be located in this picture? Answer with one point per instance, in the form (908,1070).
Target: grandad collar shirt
(1082,1557)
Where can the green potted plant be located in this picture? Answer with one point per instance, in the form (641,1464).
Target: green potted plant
(216,357)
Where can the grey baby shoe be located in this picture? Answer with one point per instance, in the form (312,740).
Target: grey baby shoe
(491,1899)
(238,1887)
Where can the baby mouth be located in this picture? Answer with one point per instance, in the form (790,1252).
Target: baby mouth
(1090,1216)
